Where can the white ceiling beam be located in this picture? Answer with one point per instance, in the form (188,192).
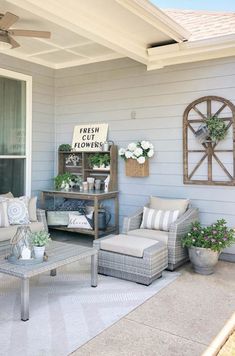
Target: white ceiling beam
(156,18)
(71,17)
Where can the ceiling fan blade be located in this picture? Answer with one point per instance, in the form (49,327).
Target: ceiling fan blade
(8,20)
(13,42)
(30,33)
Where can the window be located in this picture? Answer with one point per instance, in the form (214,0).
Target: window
(15,133)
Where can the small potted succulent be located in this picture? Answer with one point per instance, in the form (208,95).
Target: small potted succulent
(205,243)
(39,241)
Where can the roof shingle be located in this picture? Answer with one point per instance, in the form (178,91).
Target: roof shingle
(204,24)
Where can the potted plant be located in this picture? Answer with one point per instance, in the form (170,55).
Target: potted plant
(213,130)
(66,181)
(65,147)
(205,244)
(39,241)
(99,161)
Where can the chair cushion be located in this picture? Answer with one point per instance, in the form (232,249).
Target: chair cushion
(156,235)
(127,245)
(158,219)
(6,233)
(169,204)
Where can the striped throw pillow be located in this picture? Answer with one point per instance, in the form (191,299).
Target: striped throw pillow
(158,219)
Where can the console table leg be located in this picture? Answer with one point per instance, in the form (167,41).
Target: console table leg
(96,220)
(94,270)
(53,272)
(25,299)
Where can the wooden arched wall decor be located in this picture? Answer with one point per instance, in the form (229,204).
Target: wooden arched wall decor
(209,157)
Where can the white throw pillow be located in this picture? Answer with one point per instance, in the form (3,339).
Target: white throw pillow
(158,219)
(17,211)
(79,221)
(4,222)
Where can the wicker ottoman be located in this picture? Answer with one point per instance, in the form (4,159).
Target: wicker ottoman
(132,258)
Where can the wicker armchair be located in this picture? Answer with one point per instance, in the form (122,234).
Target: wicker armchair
(177,255)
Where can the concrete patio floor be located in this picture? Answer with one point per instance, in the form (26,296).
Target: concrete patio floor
(182,319)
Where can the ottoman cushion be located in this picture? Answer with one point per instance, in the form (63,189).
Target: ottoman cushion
(150,234)
(127,245)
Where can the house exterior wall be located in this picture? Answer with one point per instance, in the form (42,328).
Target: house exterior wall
(43,119)
(114,91)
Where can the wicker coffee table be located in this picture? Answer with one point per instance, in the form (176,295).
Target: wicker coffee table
(59,254)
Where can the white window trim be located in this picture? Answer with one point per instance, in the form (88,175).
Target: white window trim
(28,169)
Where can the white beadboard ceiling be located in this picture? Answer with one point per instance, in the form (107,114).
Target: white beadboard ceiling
(88,31)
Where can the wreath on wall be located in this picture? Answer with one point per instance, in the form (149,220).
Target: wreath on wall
(213,130)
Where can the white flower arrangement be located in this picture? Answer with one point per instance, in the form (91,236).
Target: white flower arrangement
(141,151)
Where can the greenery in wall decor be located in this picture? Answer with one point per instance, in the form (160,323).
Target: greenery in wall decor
(217,128)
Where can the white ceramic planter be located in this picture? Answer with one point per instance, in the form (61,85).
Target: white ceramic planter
(101,168)
(203,259)
(39,251)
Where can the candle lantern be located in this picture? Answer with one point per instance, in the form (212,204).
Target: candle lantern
(21,246)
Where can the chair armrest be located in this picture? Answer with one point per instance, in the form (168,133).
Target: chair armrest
(41,216)
(176,252)
(132,222)
(182,225)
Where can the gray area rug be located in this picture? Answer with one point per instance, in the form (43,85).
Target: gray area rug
(65,312)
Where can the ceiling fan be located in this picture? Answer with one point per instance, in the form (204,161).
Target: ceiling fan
(6,39)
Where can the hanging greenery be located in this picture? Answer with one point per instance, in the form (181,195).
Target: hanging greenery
(217,128)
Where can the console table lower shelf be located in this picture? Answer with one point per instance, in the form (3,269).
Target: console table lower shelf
(96,198)
(59,254)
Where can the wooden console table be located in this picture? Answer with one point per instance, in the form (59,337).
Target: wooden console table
(96,197)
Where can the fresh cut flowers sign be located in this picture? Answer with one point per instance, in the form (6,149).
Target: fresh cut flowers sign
(89,137)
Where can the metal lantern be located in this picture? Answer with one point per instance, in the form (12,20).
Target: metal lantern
(202,134)
(21,246)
